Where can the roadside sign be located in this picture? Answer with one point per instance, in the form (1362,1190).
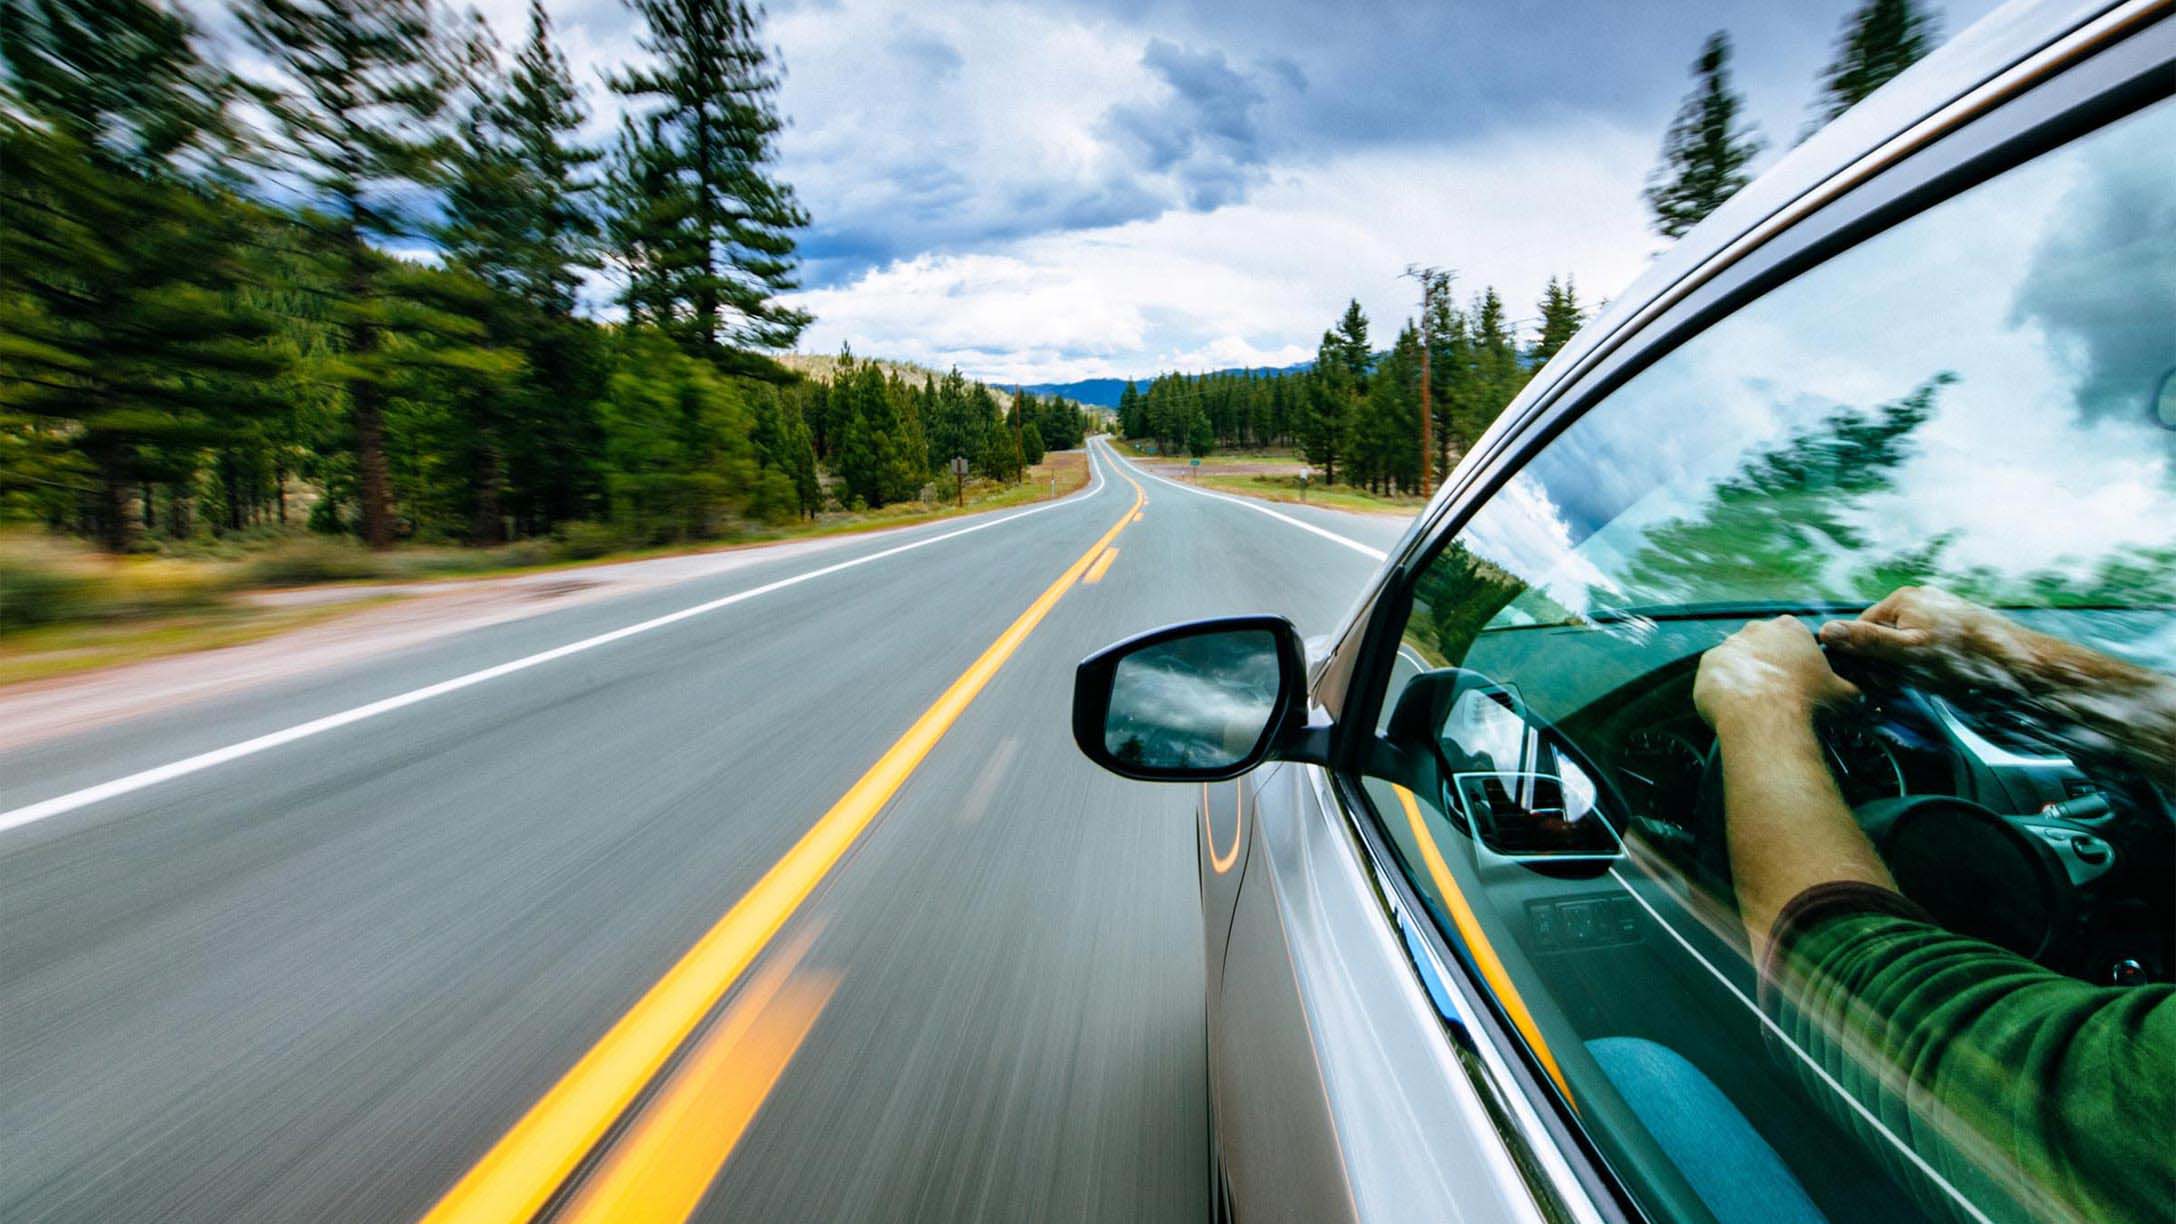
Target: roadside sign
(1193,463)
(959,465)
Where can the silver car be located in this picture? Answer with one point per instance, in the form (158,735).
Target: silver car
(1745,793)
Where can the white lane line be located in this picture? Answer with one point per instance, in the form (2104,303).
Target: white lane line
(59,804)
(1260,508)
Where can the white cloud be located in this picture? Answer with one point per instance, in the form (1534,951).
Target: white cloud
(1255,283)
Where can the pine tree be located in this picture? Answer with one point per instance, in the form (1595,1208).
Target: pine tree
(1497,373)
(714,227)
(1130,424)
(518,220)
(639,236)
(1880,39)
(367,86)
(1328,400)
(1560,320)
(1706,151)
(1351,345)
(123,346)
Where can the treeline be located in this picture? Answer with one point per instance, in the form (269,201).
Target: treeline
(347,291)
(890,439)
(1355,413)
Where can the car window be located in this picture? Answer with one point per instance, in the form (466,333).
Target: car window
(1867,921)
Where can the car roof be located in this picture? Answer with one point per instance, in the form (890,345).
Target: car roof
(1981,52)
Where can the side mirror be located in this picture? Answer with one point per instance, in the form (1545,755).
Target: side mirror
(1195,702)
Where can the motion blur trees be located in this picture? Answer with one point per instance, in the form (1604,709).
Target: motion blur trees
(373,285)
(1881,38)
(519,221)
(122,342)
(355,109)
(713,228)
(1704,156)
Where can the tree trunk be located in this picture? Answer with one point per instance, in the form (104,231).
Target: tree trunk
(116,517)
(231,477)
(366,411)
(373,483)
(487,526)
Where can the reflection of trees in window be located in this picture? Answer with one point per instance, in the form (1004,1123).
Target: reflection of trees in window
(1789,526)
(1461,594)
(1776,527)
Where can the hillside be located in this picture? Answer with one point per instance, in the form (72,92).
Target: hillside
(1104,392)
(821,365)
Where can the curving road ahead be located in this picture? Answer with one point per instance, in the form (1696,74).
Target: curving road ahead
(778,894)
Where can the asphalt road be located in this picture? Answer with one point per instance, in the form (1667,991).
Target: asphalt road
(368,967)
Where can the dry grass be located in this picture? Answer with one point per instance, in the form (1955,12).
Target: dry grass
(49,651)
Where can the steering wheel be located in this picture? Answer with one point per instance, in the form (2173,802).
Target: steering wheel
(1976,872)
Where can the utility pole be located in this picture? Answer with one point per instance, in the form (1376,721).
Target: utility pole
(1430,279)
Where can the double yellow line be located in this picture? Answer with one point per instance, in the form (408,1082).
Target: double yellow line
(532,1161)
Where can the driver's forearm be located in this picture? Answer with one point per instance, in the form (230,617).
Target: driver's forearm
(1789,828)
(2133,707)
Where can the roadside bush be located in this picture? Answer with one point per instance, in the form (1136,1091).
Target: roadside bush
(774,501)
(300,562)
(584,541)
(46,581)
(39,587)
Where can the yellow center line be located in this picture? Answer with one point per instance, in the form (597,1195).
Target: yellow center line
(659,1171)
(528,1163)
(1102,565)
(1484,952)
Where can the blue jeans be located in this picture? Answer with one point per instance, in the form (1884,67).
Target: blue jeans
(1718,1153)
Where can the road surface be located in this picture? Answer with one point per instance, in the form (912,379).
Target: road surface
(776,894)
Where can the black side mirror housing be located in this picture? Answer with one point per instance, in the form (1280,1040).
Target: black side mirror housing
(1200,701)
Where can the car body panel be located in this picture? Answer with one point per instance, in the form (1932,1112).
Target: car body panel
(1320,1035)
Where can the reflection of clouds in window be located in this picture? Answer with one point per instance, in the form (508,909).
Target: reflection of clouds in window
(1522,532)
(2103,282)
(2024,310)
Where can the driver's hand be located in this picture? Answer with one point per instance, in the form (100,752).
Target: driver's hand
(1934,635)
(1768,667)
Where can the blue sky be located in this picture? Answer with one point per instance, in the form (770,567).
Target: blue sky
(1041,192)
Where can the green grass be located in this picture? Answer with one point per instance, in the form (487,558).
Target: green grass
(1336,497)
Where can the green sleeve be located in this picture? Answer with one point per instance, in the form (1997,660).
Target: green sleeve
(2034,1094)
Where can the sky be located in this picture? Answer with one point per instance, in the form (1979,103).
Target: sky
(1039,192)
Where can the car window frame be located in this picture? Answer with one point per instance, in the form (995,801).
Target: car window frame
(2132,66)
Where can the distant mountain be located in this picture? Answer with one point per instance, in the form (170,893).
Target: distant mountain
(1104,392)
